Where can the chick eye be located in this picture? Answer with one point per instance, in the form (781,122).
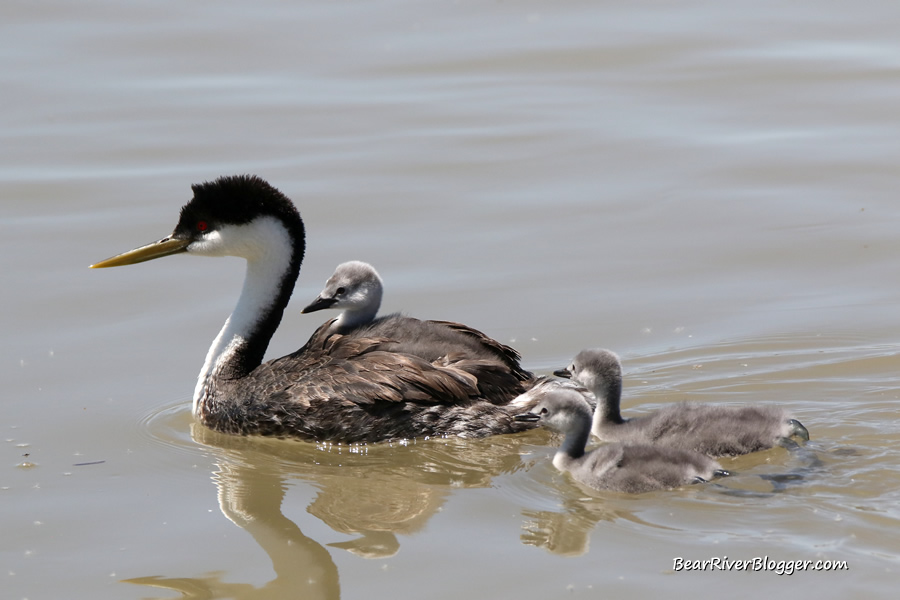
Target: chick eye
(202,225)
(543,411)
(340,291)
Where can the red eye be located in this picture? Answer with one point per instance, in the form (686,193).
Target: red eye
(202,226)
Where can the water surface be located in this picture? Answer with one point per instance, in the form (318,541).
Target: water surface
(708,189)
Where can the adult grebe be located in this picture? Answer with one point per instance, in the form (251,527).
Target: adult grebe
(346,388)
(714,430)
(621,467)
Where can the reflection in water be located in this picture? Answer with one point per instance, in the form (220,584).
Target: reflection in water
(251,496)
(805,465)
(374,493)
(567,532)
(376,508)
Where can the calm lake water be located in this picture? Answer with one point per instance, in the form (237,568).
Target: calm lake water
(710,189)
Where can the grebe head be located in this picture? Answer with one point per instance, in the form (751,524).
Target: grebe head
(232,216)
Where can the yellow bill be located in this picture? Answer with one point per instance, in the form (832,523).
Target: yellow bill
(163,247)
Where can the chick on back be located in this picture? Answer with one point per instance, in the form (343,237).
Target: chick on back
(344,388)
(355,287)
(621,467)
(465,351)
(714,430)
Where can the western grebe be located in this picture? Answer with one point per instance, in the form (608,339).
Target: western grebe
(366,386)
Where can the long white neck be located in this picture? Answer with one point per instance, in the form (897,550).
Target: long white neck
(267,247)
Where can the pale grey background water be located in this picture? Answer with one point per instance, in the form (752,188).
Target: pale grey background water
(708,188)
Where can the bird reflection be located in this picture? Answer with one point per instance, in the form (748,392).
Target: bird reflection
(568,532)
(250,496)
(376,512)
(372,494)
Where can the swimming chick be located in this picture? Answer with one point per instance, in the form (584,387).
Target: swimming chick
(621,466)
(714,430)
